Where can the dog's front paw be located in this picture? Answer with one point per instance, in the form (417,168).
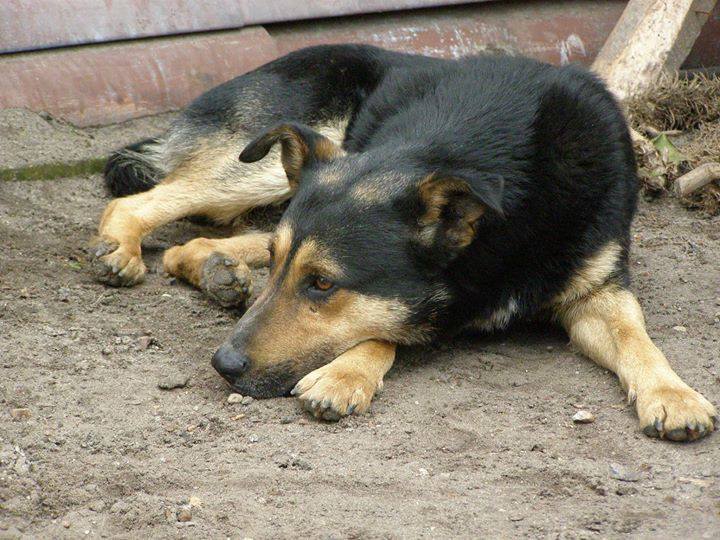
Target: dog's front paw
(675,412)
(226,280)
(116,265)
(334,391)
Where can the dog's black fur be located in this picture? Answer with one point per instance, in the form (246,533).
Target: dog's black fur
(546,149)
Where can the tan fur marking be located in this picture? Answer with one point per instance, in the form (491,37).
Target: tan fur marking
(282,243)
(334,130)
(608,326)
(296,152)
(499,319)
(294,155)
(593,273)
(438,193)
(295,328)
(311,257)
(326,150)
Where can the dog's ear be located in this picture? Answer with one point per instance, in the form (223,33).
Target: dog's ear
(452,205)
(301,146)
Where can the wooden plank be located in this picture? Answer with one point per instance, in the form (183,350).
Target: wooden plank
(651,38)
(555,31)
(39,24)
(265,11)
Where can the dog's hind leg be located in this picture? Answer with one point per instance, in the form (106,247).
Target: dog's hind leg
(608,326)
(220,267)
(348,383)
(210,182)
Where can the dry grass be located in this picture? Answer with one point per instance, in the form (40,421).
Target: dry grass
(677,104)
(688,112)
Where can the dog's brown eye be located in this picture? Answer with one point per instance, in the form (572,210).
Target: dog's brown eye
(322,284)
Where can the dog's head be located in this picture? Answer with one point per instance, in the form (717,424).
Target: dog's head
(359,254)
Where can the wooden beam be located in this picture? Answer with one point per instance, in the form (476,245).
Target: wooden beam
(651,38)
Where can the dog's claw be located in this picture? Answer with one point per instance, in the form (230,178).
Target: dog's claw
(113,265)
(691,432)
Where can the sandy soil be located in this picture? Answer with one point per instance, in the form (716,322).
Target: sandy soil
(470,438)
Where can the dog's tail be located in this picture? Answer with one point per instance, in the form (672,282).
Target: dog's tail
(135,168)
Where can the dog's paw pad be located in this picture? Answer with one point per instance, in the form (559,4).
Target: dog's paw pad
(226,281)
(111,265)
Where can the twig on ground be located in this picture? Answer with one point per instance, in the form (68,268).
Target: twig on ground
(697,178)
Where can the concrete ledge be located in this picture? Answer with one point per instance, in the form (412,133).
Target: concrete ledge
(102,84)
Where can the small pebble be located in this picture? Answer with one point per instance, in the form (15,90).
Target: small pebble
(254,438)
(144,342)
(679,328)
(234,398)
(247,400)
(97,506)
(618,472)
(64,294)
(174,380)
(195,501)
(20,414)
(583,417)
(120,507)
(66,524)
(287,419)
(184,515)
(301,464)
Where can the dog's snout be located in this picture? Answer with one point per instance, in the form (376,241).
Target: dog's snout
(230,363)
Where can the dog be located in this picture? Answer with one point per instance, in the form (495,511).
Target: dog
(427,197)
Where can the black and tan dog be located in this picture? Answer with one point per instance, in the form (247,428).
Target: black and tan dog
(428,196)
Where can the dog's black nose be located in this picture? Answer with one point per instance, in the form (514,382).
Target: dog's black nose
(230,363)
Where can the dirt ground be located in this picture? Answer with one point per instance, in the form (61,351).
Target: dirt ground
(470,438)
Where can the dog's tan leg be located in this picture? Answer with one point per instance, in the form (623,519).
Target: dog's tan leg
(126,221)
(348,383)
(211,182)
(220,267)
(608,326)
